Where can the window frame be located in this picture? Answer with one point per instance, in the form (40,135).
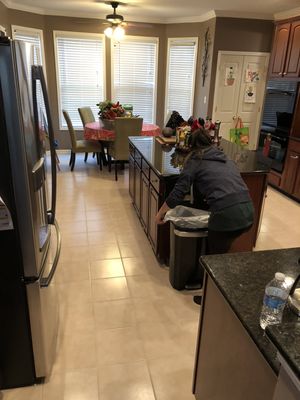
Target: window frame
(182,40)
(78,35)
(40,33)
(150,39)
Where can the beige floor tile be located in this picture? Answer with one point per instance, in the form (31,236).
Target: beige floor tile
(110,289)
(121,345)
(107,268)
(98,225)
(74,254)
(149,286)
(75,351)
(81,385)
(73,227)
(74,239)
(125,381)
(114,314)
(101,237)
(26,393)
(76,319)
(141,265)
(172,377)
(104,251)
(72,272)
(165,339)
(135,250)
(74,293)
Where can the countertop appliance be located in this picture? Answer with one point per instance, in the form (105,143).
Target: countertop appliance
(29,234)
(277,121)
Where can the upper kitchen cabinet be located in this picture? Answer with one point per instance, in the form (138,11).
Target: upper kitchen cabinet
(285,58)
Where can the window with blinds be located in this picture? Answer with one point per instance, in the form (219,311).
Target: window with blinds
(80,73)
(32,36)
(134,75)
(180,79)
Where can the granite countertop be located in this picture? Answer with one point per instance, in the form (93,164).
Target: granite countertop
(241,278)
(286,338)
(167,161)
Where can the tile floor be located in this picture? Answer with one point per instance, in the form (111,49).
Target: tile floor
(124,332)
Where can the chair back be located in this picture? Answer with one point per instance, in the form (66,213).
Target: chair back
(125,127)
(70,128)
(86,115)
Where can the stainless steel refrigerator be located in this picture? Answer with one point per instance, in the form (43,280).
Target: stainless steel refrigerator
(29,234)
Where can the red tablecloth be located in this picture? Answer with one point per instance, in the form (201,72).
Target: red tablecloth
(95,131)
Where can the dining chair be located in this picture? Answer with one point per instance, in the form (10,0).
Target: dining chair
(119,149)
(80,146)
(86,116)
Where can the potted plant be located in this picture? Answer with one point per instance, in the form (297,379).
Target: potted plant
(109,111)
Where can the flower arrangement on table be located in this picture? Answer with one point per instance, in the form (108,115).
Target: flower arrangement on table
(110,110)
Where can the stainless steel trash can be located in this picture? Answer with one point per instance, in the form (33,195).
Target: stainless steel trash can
(186,246)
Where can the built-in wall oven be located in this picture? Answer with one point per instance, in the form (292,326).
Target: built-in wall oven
(277,121)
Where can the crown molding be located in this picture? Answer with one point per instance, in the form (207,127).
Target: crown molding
(200,18)
(295,12)
(180,20)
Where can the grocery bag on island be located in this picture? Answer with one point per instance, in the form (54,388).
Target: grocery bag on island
(239,134)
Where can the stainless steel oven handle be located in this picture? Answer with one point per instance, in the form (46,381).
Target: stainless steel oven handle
(45,282)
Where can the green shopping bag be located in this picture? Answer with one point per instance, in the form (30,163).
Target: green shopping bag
(239,134)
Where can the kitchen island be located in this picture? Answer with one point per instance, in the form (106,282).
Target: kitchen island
(235,358)
(154,169)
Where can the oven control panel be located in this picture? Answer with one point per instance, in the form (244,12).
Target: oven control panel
(6,223)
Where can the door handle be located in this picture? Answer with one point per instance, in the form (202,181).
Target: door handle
(45,282)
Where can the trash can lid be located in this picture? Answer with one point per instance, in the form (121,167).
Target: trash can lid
(181,228)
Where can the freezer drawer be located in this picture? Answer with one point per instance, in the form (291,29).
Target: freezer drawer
(43,314)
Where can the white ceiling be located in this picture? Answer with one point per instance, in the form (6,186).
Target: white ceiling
(163,11)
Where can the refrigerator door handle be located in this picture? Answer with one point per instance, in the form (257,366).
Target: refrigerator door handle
(37,74)
(45,282)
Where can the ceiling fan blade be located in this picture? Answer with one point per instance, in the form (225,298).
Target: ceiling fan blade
(139,25)
(120,3)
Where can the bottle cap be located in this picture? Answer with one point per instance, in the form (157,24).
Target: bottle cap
(279,276)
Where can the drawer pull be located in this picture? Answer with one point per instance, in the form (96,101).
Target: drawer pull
(280,73)
(294,157)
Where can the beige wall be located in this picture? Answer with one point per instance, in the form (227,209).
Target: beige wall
(225,34)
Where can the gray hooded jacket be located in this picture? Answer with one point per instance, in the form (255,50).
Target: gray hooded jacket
(215,179)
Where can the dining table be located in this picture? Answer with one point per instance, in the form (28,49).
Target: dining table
(96,131)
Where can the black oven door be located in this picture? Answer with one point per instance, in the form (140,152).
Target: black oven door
(274,147)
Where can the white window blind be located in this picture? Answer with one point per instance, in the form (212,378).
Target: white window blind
(182,58)
(32,36)
(134,75)
(80,73)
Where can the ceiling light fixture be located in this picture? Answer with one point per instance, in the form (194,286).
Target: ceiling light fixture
(115,31)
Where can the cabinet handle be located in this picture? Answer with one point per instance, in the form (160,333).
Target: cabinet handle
(294,157)
(284,73)
(280,73)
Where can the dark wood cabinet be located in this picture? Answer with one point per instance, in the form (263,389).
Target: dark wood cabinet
(153,209)
(131,177)
(285,57)
(137,188)
(144,201)
(279,50)
(290,181)
(292,63)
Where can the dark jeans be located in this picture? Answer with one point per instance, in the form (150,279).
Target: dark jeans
(219,242)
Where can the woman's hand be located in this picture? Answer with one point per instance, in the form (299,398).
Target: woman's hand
(159,218)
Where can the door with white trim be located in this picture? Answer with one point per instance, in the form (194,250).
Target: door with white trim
(239,91)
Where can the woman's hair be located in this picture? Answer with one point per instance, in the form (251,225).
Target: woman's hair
(200,140)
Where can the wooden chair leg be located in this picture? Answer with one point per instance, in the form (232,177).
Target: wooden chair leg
(73,161)
(116,170)
(109,162)
(86,157)
(100,161)
(71,157)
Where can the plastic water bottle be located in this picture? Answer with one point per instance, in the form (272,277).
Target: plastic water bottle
(276,294)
